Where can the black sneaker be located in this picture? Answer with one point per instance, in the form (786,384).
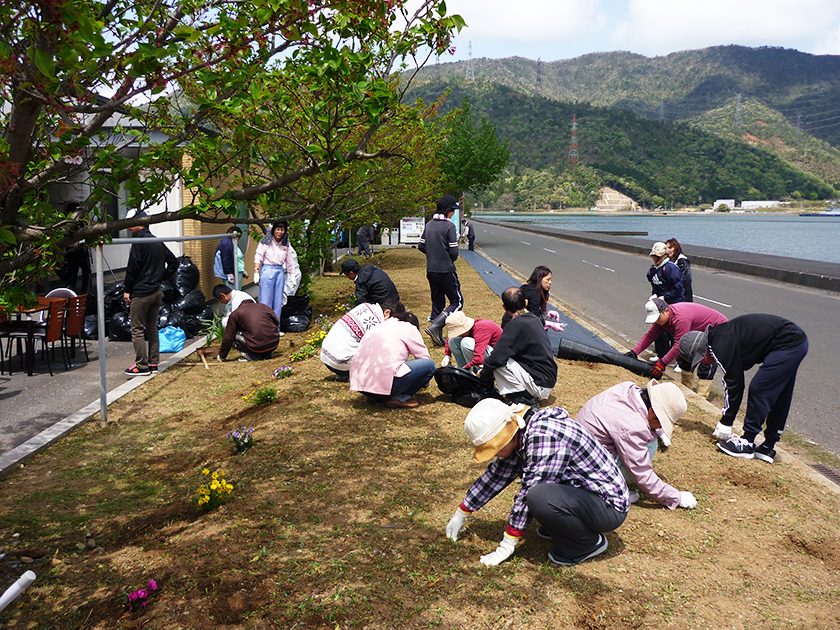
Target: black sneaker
(544,532)
(737,447)
(153,367)
(344,377)
(136,371)
(764,453)
(600,548)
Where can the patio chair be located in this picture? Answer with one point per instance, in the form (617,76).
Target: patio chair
(74,323)
(49,331)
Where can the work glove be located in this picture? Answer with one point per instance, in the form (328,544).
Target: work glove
(219,358)
(256,277)
(503,551)
(244,274)
(687,501)
(656,370)
(722,432)
(555,326)
(446,360)
(665,440)
(553,316)
(474,370)
(631,354)
(230,278)
(456,524)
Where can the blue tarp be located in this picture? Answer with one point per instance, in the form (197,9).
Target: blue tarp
(498,280)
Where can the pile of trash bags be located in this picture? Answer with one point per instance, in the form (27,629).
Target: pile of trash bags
(184,306)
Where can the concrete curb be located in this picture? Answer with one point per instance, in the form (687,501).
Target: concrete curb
(14,458)
(814,274)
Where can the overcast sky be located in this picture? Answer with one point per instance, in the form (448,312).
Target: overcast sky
(563,29)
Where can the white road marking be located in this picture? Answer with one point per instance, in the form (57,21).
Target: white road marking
(549,250)
(599,266)
(698,297)
(525,243)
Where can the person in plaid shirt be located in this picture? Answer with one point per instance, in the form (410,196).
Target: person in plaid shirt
(570,483)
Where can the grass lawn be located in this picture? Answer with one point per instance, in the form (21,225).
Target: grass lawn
(337,515)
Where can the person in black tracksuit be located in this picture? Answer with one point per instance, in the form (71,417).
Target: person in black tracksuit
(779,346)
(439,242)
(373,286)
(522,361)
(148,264)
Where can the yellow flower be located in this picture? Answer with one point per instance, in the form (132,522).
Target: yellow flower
(214,476)
(205,472)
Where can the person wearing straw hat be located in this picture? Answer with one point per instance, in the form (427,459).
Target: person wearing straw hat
(470,340)
(779,346)
(625,419)
(570,483)
(678,319)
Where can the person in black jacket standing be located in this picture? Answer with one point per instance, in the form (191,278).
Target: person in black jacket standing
(373,286)
(439,242)
(522,361)
(148,264)
(779,346)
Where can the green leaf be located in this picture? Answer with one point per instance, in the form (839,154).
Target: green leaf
(45,64)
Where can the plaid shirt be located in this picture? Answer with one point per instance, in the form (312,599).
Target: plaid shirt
(553,448)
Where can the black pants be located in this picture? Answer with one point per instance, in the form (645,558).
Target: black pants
(144,313)
(445,285)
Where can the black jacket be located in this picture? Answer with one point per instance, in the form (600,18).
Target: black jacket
(439,242)
(148,265)
(741,343)
(535,304)
(525,341)
(373,286)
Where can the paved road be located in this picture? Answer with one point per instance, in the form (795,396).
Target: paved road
(608,288)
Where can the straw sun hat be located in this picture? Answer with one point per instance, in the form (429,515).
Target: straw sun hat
(491,424)
(668,404)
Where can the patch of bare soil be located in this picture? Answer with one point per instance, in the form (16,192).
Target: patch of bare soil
(338,512)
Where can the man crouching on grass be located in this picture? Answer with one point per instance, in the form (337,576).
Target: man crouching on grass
(570,483)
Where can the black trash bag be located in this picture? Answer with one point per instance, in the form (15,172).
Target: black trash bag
(90,305)
(90,329)
(208,313)
(192,325)
(114,302)
(119,327)
(186,276)
(297,314)
(176,318)
(577,351)
(163,316)
(193,303)
(462,386)
(170,291)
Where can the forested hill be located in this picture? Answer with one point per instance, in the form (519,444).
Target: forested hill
(649,160)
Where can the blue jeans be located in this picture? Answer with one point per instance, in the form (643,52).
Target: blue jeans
(272,283)
(404,387)
(463,350)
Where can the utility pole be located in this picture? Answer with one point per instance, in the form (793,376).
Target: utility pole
(539,76)
(470,72)
(737,110)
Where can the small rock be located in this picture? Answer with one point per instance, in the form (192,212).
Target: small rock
(16,535)
(99,550)
(26,560)
(91,543)
(80,546)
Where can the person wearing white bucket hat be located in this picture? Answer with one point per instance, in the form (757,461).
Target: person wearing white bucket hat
(625,419)
(570,483)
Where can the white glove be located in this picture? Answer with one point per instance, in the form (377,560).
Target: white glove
(446,361)
(230,277)
(503,552)
(722,432)
(456,524)
(666,441)
(219,358)
(256,277)
(244,274)
(687,501)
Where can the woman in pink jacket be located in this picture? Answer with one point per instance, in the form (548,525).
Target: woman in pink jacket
(381,369)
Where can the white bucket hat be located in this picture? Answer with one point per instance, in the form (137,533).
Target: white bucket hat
(668,404)
(491,424)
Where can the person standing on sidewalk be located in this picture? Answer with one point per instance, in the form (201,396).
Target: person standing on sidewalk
(364,237)
(468,232)
(678,319)
(274,260)
(779,346)
(666,283)
(148,265)
(439,242)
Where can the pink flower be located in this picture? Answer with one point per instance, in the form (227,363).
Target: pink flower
(152,585)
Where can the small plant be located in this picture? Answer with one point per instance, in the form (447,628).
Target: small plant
(262,395)
(314,340)
(213,329)
(242,439)
(284,371)
(212,493)
(139,598)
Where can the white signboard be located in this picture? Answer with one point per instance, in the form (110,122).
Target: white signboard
(411,228)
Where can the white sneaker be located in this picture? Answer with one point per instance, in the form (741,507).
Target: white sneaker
(677,369)
(653,358)
(722,432)
(634,496)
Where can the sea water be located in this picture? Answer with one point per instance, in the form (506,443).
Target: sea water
(811,238)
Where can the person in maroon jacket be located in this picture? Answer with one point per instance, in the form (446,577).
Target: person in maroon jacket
(253,330)
(470,340)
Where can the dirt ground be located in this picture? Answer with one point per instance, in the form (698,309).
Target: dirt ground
(337,515)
